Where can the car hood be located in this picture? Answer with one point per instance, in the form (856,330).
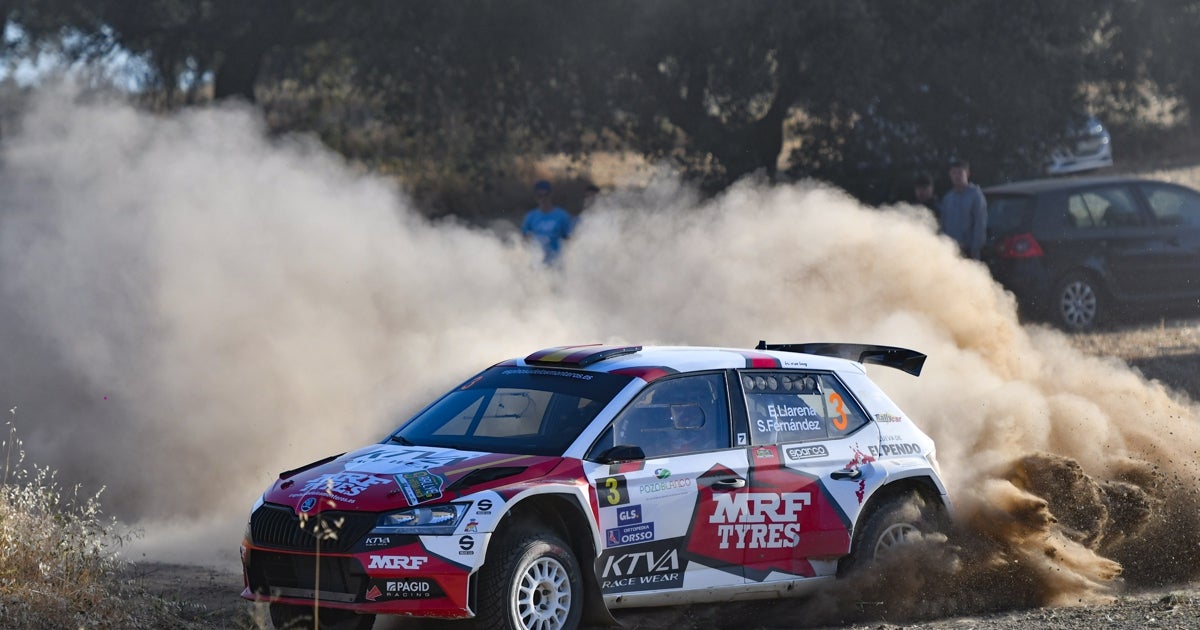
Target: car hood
(386,477)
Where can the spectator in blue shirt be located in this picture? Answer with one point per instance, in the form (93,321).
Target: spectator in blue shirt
(548,224)
(963,211)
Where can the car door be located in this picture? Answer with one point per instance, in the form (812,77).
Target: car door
(646,507)
(1124,242)
(1176,213)
(810,467)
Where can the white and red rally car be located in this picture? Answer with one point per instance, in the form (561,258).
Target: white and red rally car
(551,489)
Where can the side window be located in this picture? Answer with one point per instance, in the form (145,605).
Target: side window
(1173,206)
(674,416)
(785,407)
(1102,208)
(1079,214)
(1110,207)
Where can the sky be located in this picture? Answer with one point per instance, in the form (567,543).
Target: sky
(122,69)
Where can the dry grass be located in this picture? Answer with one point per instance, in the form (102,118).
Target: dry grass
(59,557)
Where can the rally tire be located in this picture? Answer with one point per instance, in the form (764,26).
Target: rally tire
(293,617)
(530,581)
(895,521)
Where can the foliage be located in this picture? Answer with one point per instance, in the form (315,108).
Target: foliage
(1152,43)
(59,566)
(997,84)
(456,94)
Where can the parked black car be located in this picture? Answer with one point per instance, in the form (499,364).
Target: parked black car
(1076,250)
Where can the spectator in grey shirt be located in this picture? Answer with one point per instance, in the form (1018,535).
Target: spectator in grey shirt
(963,211)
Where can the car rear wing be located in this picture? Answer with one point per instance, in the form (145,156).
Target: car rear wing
(902,359)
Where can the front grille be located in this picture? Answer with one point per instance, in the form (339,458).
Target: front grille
(342,579)
(278,526)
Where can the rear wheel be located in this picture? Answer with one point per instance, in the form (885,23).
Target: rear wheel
(292,617)
(1077,303)
(531,581)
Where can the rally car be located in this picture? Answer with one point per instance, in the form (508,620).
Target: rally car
(551,489)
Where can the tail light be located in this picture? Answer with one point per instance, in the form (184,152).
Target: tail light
(1019,246)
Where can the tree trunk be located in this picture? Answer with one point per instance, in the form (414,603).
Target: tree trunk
(237,73)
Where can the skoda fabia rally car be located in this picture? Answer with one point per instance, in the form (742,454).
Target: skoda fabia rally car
(548,490)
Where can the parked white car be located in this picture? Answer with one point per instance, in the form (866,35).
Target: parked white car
(1089,148)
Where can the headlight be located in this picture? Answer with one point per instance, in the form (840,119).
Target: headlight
(257,504)
(436,519)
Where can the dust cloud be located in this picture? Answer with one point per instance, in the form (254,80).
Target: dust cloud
(189,305)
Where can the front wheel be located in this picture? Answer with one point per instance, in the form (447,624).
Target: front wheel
(1077,303)
(292,617)
(530,581)
(895,523)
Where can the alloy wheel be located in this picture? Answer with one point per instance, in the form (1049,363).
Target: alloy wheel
(1078,304)
(544,595)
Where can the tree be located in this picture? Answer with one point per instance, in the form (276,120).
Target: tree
(1149,52)
(713,83)
(188,43)
(995,83)
(846,90)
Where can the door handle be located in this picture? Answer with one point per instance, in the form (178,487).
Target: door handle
(851,474)
(729,484)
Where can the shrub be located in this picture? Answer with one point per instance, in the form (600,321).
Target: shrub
(59,561)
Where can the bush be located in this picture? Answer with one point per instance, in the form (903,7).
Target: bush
(59,562)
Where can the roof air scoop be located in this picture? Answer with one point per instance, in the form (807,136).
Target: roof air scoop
(578,356)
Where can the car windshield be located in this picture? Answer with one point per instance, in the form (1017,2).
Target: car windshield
(514,409)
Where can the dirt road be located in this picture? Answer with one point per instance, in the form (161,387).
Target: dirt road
(209,598)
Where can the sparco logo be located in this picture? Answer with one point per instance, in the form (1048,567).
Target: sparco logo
(759,520)
(804,452)
(397,562)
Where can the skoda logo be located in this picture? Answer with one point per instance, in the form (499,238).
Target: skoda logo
(308,504)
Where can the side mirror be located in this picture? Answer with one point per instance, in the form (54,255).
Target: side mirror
(622,453)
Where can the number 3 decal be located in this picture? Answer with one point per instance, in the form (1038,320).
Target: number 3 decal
(611,491)
(614,495)
(841,422)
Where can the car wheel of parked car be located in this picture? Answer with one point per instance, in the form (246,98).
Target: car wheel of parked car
(530,581)
(292,617)
(1077,303)
(895,522)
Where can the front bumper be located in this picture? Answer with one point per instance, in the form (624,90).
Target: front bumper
(438,589)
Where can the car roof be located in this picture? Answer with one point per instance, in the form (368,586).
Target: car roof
(639,360)
(1055,184)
